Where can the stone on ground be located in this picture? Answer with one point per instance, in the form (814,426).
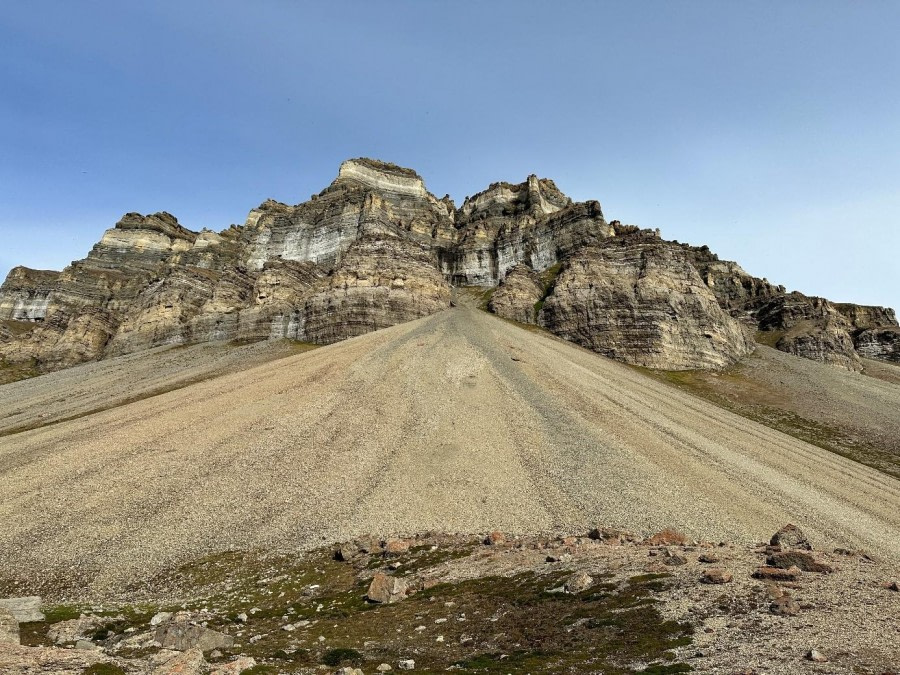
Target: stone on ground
(386,589)
(184,636)
(25,609)
(790,536)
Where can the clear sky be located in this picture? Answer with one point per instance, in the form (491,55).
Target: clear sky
(768,130)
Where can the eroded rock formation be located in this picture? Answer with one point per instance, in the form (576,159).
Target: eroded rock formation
(375,248)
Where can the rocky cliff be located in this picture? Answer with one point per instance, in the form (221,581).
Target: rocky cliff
(375,248)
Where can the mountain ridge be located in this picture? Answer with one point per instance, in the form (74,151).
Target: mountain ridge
(376,248)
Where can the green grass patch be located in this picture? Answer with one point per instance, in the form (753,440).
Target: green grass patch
(104,669)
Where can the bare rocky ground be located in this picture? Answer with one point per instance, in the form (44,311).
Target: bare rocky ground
(458,422)
(843,411)
(603,602)
(92,387)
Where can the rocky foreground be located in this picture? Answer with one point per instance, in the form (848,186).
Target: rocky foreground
(375,249)
(606,601)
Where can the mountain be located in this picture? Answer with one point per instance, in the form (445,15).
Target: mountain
(375,249)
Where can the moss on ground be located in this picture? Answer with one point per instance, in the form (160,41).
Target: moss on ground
(491,624)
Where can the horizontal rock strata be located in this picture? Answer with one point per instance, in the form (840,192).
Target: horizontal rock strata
(375,248)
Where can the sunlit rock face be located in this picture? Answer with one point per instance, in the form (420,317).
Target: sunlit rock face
(25,295)
(375,248)
(642,302)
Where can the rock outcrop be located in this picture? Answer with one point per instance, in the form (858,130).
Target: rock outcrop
(375,248)
(519,296)
(644,303)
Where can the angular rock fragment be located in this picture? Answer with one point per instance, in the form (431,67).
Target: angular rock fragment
(716,576)
(578,582)
(790,536)
(386,589)
(777,574)
(183,636)
(25,609)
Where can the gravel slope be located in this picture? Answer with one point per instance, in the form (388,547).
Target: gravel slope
(456,422)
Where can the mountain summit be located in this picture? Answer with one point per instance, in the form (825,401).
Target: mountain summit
(375,249)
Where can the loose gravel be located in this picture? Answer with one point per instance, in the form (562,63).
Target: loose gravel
(458,422)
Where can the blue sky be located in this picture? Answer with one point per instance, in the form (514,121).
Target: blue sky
(768,130)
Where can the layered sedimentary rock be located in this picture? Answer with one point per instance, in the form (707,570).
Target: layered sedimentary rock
(642,302)
(375,248)
(519,297)
(820,330)
(879,343)
(380,282)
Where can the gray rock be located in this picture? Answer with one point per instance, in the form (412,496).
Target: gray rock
(9,627)
(184,636)
(805,561)
(85,644)
(25,609)
(65,632)
(816,655)
(160,618)
(406,664)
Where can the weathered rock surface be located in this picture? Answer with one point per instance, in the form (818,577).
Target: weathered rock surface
(65,632)
(25,609)
(879,343)
(375,248)
(518,296)
(790,536)
(22,660)
(386,589)
(642,302)
(181,636)
(9,627)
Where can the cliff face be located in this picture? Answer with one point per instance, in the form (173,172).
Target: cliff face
(642,302)
(375,248)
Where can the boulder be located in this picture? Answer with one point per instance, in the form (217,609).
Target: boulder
(84,627)
(22,660)
(406,664)
(183,636)
(239,665)
(386,589)
(579,582)
(790,536)
(394,548)
(25,609)
(189,662)
(345,552)
(716,576)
